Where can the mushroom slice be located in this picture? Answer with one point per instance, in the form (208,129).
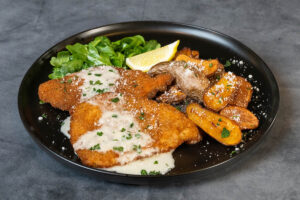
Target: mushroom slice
(190,80)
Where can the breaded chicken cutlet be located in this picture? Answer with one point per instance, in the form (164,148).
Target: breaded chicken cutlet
(81,86)
(114,129)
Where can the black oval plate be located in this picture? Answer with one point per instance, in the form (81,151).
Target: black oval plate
(191,161)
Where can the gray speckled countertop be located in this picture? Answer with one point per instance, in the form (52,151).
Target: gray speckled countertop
(270,28)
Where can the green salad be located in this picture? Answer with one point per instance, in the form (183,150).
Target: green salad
(100,51)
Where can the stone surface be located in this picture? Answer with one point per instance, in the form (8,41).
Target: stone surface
(270,28)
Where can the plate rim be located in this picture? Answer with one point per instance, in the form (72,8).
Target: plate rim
(162,23)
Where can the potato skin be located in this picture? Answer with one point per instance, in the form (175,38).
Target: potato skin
(214,124)
(243,94)
(242,116)
(219,95)
(188,52)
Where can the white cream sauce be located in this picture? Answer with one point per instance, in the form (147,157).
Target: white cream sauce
(161,163)
(97,80)
(119,132)
(65,128)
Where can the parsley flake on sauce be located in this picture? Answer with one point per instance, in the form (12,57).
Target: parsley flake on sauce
(96,147)
(131,125)
(118,148)
(100,133)
(144,172)
(137,148)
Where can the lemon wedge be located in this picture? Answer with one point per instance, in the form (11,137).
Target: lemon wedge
(145,61)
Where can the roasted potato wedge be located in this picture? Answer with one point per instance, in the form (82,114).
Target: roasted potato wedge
(208,67)
(220,94)
(244,94)
(242,116)
(217,126)
(188,52)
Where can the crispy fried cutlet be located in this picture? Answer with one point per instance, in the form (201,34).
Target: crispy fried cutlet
(111,129)
(78,87)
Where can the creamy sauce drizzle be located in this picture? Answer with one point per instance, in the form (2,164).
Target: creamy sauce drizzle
(97,80)
(119,132)
(162,163)
(65,128)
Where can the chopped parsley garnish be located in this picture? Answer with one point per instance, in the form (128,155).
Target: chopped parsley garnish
(142,116)
(210,65)
(218,77)
(97,83)
(100,133)
(178,108)
(233,152)
(98,74)
(137,148)
(218,124)
(227,64)
(115,100)
(111,70)
(97,146)
(44,115)
(235,117)
(111,84)
(129,136)
(156,162)
(228,85)
(115,140)
(123,129)
(135,85)
(91,83)
(69,80)
(225,133)
(144,172)
(89,73)
(84,94)
(212,93)
(114,116)
(41,102)
(100,91)
(219,119)
(137,135)
(185,66)
(118,148)
(131,125)
(154,173)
